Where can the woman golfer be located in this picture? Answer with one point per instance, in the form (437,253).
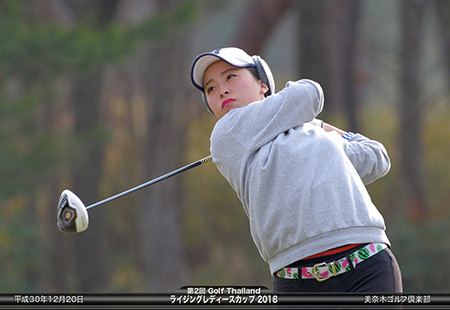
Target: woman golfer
(301,181)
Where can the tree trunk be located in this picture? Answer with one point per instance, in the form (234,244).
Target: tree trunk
(259,20)
(91,263)
(443,12)
(343,19)
(159,78)
(410,111)
(312,39)
(159,223)
(78,262)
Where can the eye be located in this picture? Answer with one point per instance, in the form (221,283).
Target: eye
(210,89)
(230,76)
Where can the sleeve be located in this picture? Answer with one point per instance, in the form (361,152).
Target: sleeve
(262,121)
(369,157)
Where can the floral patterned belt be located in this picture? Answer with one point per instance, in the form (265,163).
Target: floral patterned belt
(324,271)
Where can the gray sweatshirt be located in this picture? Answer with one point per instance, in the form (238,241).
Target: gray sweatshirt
(303,189)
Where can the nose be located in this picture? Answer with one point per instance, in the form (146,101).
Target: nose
(224,92)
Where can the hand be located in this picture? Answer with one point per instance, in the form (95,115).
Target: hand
(317,122)
(330,128)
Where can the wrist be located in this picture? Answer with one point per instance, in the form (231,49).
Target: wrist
(348,135)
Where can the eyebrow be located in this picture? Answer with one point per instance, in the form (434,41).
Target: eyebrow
(222,73)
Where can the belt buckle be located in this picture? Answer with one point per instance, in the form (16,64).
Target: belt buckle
(316,272)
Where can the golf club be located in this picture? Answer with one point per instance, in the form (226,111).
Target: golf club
(72,213)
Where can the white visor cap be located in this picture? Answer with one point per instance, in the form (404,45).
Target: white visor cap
(233,56)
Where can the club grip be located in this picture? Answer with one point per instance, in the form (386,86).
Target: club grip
(206,159)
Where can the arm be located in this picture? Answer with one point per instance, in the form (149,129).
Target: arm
(241,132)
(369,157)
(260,122)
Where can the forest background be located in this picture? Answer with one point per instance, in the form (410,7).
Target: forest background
(96,96)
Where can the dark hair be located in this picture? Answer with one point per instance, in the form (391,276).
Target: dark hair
(254,71)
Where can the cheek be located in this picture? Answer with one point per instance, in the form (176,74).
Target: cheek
(214,103)
(252,91)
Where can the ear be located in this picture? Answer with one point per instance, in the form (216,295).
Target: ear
(264,88)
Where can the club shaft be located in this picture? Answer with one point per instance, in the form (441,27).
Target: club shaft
(151,182)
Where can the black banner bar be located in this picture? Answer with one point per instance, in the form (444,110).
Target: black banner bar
(224,297)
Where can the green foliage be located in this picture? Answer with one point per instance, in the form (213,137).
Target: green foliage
(35,48)
(34,145)
(17,239)
(35,52)
(25,150)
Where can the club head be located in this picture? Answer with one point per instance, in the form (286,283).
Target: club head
(72,214)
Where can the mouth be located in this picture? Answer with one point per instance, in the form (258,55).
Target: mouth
(227,102)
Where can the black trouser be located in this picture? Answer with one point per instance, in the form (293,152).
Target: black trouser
(378,274)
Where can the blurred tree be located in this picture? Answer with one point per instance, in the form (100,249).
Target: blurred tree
(87,172)
(443,13)
(342,36)
(27,145)
(410,109)
(258,22)
(327,39)
(90,269)
(312,45)
(55,50)
(157,77)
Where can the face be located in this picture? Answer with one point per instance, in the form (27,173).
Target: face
(228,87)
